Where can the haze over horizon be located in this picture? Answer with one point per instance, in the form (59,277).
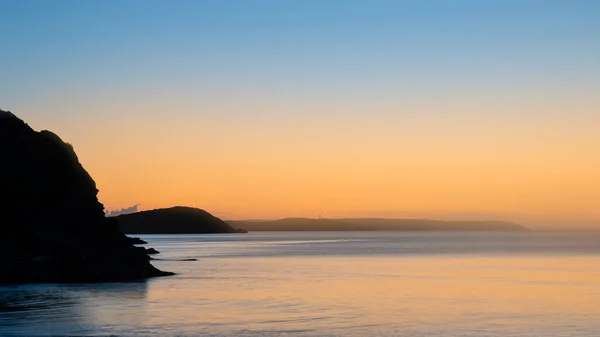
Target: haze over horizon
(467,110)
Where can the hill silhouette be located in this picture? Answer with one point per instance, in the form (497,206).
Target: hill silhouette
(174,220)
(53,226)
(372,224)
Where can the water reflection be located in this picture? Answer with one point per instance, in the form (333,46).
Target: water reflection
(52,309)
(17,300)
(372,284)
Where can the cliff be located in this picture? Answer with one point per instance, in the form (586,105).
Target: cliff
(175,220)
(53,226)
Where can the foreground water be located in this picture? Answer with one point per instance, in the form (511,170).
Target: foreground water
(334,284)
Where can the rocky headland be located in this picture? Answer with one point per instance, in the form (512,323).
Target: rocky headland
(53,227)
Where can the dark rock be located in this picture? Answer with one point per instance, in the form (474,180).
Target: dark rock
(175,220)
(184,260)
(53,227)
(136,241)
(152,251)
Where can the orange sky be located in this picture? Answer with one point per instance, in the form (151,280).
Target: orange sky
(458,164)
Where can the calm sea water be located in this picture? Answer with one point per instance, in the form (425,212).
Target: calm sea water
(334,284)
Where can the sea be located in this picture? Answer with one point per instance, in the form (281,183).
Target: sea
(467,284)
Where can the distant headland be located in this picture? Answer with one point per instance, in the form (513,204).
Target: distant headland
(373,224)
(174,220)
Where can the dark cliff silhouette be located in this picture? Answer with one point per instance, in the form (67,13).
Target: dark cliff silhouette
(53,227)
(372,224)
(175,220)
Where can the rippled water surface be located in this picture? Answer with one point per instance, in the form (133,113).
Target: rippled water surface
(334,284)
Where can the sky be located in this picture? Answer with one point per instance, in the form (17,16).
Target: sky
(466,109)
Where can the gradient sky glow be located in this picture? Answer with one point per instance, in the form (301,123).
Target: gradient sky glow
(468,109)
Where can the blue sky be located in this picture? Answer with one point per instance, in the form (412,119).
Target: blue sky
(305,45)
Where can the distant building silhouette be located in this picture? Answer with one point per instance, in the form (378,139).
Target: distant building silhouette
(129,210)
